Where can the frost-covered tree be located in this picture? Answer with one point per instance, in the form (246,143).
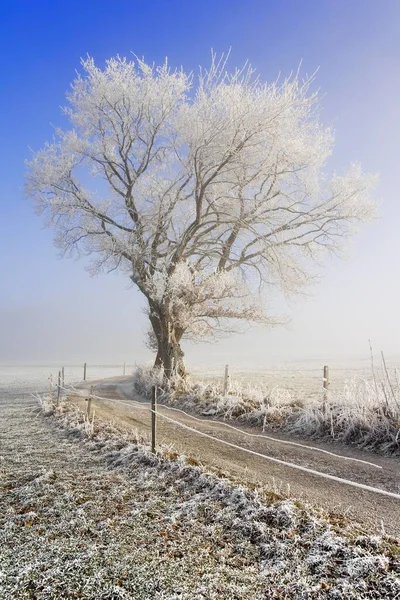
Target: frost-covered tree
(205,190)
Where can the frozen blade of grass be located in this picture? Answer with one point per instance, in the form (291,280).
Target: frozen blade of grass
(389,381)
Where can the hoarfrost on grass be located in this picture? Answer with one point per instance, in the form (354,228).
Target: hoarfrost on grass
(363,412)
(98,516)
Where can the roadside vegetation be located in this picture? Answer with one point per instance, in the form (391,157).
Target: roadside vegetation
(364,413)
(104,518)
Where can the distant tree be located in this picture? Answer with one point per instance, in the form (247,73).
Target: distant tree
(205,190)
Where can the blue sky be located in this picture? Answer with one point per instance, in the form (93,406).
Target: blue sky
(51,310)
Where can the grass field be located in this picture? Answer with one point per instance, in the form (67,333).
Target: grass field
(97,516)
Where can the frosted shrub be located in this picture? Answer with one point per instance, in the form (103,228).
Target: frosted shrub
(231,406)
(46,403)
(145,378)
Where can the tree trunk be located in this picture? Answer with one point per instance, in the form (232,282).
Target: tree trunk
(169,354)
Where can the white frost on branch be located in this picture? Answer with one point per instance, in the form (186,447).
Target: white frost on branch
(205,191)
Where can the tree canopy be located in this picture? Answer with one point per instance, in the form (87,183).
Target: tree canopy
(205,190)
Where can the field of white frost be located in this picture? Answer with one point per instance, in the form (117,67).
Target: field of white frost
(362,406)
(96,516)
(37,378)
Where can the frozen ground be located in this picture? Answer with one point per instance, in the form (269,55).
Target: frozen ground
(74,525)
(99,518)
(37,378)
(302,380)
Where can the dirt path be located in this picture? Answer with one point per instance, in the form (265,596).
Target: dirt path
(371,509)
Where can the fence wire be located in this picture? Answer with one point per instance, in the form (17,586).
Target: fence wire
(314,472)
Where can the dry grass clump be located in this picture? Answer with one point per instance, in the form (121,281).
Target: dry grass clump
(364,413)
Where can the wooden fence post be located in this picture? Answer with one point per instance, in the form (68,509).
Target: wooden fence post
(89,404)
(326,384)
(153,418)
(92,426)
(124,369)
(226,380)
(58,387)
(84,372)
(62,377)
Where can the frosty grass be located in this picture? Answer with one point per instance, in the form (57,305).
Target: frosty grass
(362,412)
(98,517)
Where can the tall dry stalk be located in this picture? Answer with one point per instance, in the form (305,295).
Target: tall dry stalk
(389,380)
(372,367)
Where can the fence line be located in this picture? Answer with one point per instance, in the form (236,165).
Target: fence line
(275,460)
(266,437)
(157,414)
(256,435)
(153,418)
(268,378)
